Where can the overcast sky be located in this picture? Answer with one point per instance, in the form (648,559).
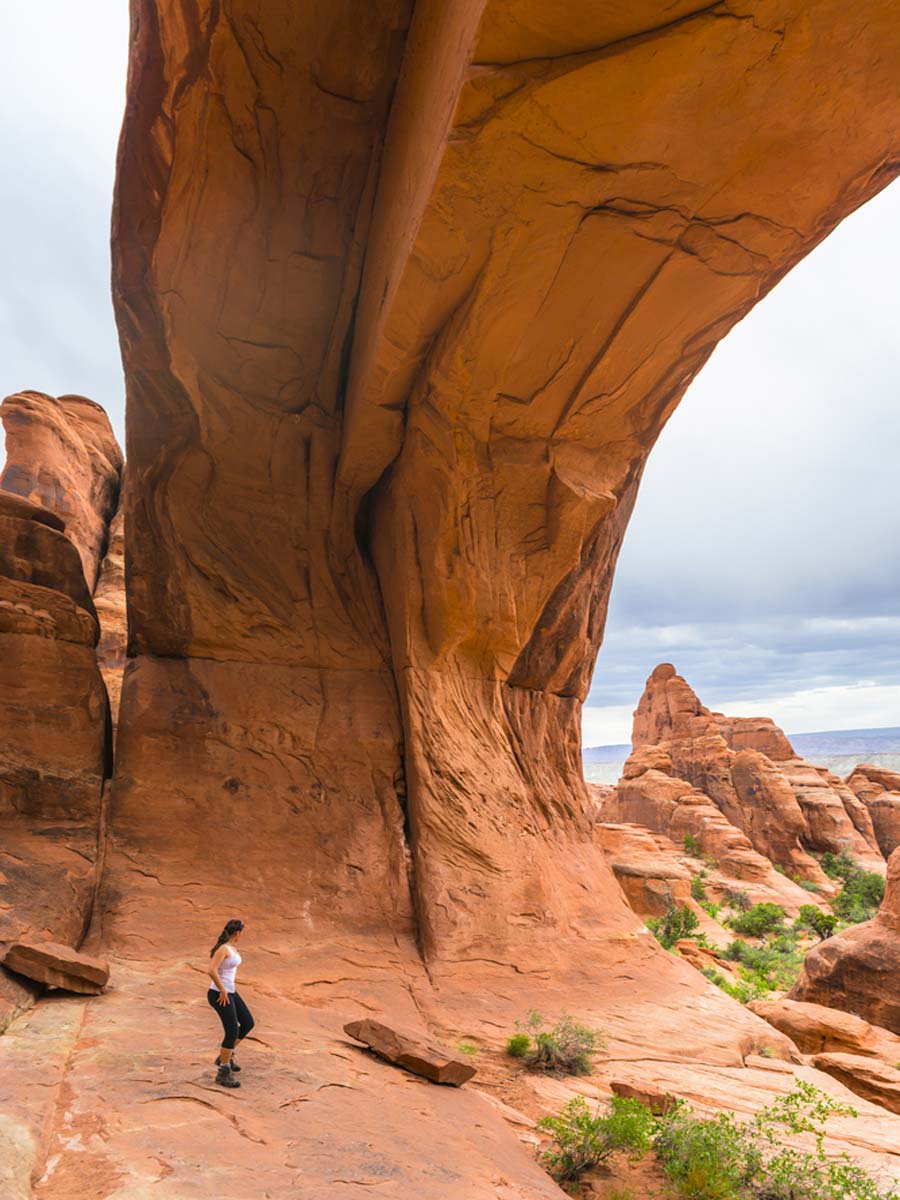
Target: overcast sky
(763,558)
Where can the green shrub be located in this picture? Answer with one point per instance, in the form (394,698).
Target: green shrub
(470,1048)
(691,846)
(808,886)
(711,908)
(863,891)
(738,899)
(774,966)
(679,922)
(838,866)
(759,920)
(741,991)
(583,1139)
(565,1049)
(698,891)
(822,924)
(518,1045)
(723,1158)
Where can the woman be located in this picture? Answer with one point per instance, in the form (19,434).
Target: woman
(233,1012)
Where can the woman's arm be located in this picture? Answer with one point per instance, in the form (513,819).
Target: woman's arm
(213,973)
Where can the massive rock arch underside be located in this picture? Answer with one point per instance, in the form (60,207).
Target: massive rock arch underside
(406,292)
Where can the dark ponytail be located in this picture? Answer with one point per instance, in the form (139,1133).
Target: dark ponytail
(231,928)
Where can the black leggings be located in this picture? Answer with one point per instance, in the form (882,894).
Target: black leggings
(235,1017)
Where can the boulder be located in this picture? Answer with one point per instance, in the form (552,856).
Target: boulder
(817,1029)
(410,1052)
(873,1080)
(57,966)
(704,959)
(659,1102)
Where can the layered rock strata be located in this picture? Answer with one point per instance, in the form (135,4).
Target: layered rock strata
(788,808)
(61,453)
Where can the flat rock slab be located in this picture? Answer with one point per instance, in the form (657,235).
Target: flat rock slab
(873,1080)
(57,965)
(406,1050)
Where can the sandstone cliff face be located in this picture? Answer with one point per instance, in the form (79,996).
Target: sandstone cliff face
(62,453)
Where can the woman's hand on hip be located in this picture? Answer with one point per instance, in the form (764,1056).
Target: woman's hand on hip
(223,998)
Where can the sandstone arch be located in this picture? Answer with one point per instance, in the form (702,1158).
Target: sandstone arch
(405,296)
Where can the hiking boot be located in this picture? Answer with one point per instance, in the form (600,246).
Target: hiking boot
(225,1077)
(232,1064)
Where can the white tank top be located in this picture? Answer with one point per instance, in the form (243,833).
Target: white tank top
(227,968)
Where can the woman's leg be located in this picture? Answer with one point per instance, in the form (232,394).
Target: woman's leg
(229,1018)
(244,1016)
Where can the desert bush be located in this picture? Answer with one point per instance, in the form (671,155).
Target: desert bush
(711,908)
(861,896)
(468,1048)
(518,1045)
(738,899)
(698,891)
(692,846)
(822,924)
(774,966)
(838,866)
(723,1158)
(678,922)
(582,1139)
(759,920)
(566,1048)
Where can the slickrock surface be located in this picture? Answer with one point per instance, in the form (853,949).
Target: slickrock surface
(422,1058)
(62,453)
(405,296)
(57,965)
(856,970)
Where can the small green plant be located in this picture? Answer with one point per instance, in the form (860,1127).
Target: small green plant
(692,846)
(711,908)
(582,1139)
(759,920)
(723,1158)
(567,1048)
(808,886)
(774,966)
(711,862)
(780,869)
(698,891)
(518,1045)
(766,1052)
(822,924)
(738,899)
(678,922)
(468,1048)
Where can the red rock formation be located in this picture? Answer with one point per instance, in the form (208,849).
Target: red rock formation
(878,792)
(58,966)
(856,970)
(62,453)
(786,806)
